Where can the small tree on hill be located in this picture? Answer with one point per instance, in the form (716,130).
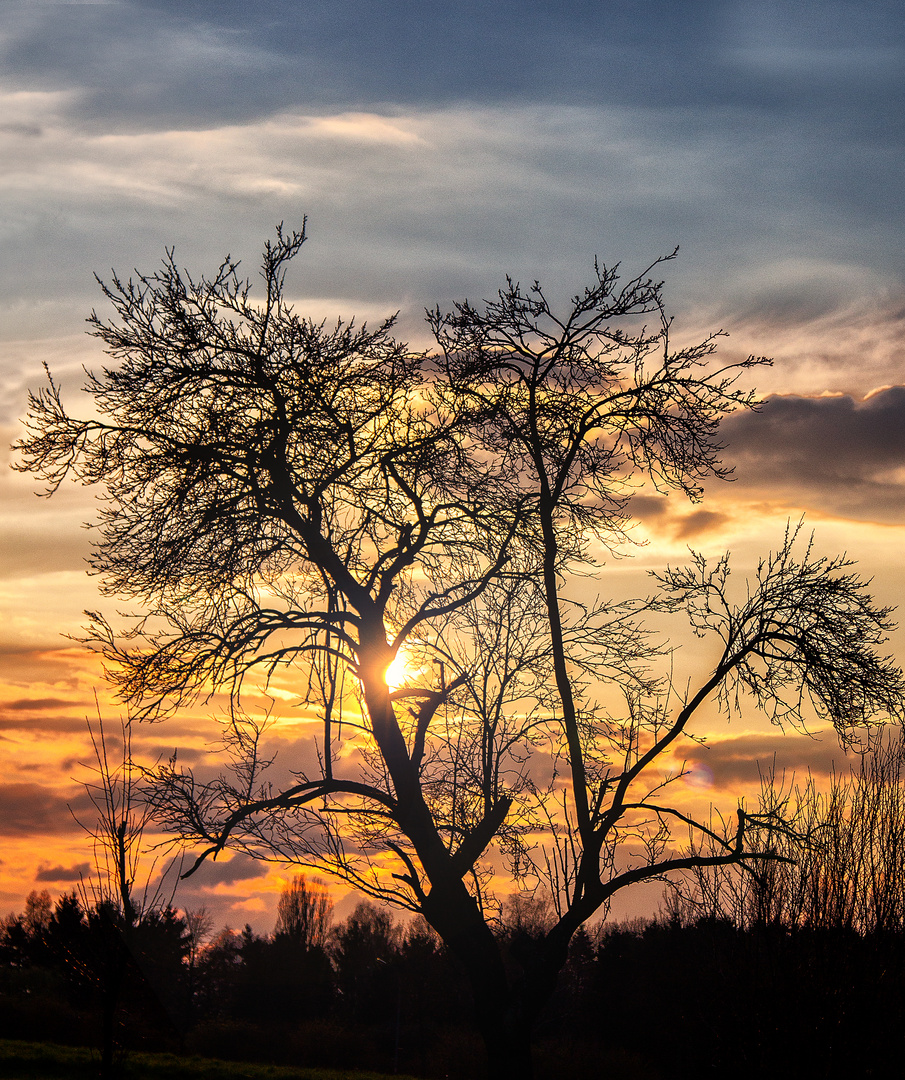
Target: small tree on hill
(280,493)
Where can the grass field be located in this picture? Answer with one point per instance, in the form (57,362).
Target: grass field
(47,1061)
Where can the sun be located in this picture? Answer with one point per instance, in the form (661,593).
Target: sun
(399,671)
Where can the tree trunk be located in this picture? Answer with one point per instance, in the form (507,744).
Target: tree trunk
(507,1013)
(508,1045)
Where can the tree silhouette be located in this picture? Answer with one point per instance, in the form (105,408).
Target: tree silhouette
(843,848)
(284,494)
(134,937)
(303,912)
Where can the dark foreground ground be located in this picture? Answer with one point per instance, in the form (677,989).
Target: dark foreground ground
(48,1061)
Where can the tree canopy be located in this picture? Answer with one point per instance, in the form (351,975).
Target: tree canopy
(280,492)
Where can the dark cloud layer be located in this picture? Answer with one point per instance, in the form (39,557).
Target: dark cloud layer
(33,809)
(837,455)
(228,871)
(154,60)
(744,759)
(538,135)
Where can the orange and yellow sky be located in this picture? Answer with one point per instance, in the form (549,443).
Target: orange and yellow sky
(434,152)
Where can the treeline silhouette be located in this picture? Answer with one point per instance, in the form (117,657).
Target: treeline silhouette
(373,993)
(798,970)
(720,999)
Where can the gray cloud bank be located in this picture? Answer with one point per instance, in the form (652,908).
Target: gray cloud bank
(157,63)
(766,138)
(746,758)
(838,455)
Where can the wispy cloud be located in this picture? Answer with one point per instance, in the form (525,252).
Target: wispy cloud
(413,205)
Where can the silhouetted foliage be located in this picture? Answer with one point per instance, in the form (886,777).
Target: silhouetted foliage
(737,1000)
(126,982)
(280,493)
(364,950)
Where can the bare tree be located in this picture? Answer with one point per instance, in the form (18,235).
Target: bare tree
(841,848)
(303,912)
(118,830)
(199,926)
(285,494)
(121,915)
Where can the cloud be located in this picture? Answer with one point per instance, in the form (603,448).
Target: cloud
(152,62)
(228,871)
(35,704)
(829,324)
(63,873)
(44,725)
(699,522)
(838,455)
(27,550)
(743,759)
(32,809)
(66,668)
(675,517)
(426,205)
(434,154)
(162,749)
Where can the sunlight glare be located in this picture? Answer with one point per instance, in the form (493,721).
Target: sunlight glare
(398,671)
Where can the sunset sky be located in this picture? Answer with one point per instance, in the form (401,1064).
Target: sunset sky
(436,148)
